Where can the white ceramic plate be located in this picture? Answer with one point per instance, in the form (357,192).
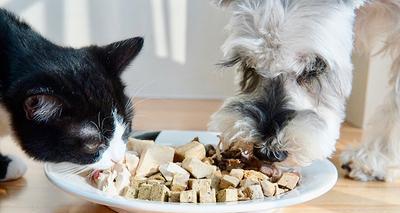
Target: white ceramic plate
(317,179)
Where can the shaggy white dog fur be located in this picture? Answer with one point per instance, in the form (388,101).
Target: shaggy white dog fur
(295,73)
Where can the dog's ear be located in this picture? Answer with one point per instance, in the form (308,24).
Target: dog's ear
(223,3)
(358,3)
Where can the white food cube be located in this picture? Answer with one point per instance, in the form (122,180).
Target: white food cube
(122,179)
(248,182)
(168,170)
(237,173)
(152,158)
(130,192)
(138,146)
(251,174)
(159,192)
(131,161)
(179,182)
(145,191)
(108,186)
(189,196)
(215,179)
(268,188)
(207,195)
(197,184)
(227,195)
(228,181)
(254,192)
(158,177)
(174,196)
(279,191)
(193,149)
(289,180)
(197,168)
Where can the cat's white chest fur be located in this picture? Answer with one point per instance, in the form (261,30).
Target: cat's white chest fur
(4,121)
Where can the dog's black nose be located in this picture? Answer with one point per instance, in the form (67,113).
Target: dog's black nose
(269,155)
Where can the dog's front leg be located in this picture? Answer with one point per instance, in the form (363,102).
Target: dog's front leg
(378,156)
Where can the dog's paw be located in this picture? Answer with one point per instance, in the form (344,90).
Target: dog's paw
(357,167)
(16,168)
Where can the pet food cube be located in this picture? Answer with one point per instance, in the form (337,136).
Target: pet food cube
(168,170)
(268,188)
(157,176)
(122,179)
(197,184)
(152,158)
(145,191)
(208,161)
(130,192)
(228,181)
(254,192)
(131,161)
(248,182)
(251,174)
(238,173)
(242,196)
(153,182)
(179,182)
(174,196)
(289,180)
(189,196)
(207,195)
(159,192)
(197,168)
(279,191)
(168,184)
(137,182)
(193,149)
(215,179)
(227,195)
(138,146)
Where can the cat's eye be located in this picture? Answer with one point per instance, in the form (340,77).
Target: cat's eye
(92,147)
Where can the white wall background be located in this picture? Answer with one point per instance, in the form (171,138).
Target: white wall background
(182,40)
(370,84)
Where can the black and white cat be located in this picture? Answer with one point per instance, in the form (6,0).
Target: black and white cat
(62,104)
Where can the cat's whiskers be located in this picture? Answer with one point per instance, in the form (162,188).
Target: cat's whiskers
(99,135)
(141,101)
(139,89)
(70,168)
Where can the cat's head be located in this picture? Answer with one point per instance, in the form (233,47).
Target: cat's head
(67,104)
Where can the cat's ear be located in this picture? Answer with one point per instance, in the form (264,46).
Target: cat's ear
(42,108)
(116,56)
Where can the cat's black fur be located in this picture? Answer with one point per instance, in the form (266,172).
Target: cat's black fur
(76,87)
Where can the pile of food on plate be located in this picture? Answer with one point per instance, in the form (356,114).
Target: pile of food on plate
(192,173)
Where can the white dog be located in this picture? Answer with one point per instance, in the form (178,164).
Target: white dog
(295,74)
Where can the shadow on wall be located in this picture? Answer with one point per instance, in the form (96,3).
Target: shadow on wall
(182,40)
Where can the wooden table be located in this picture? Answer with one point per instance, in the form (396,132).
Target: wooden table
(34,193)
